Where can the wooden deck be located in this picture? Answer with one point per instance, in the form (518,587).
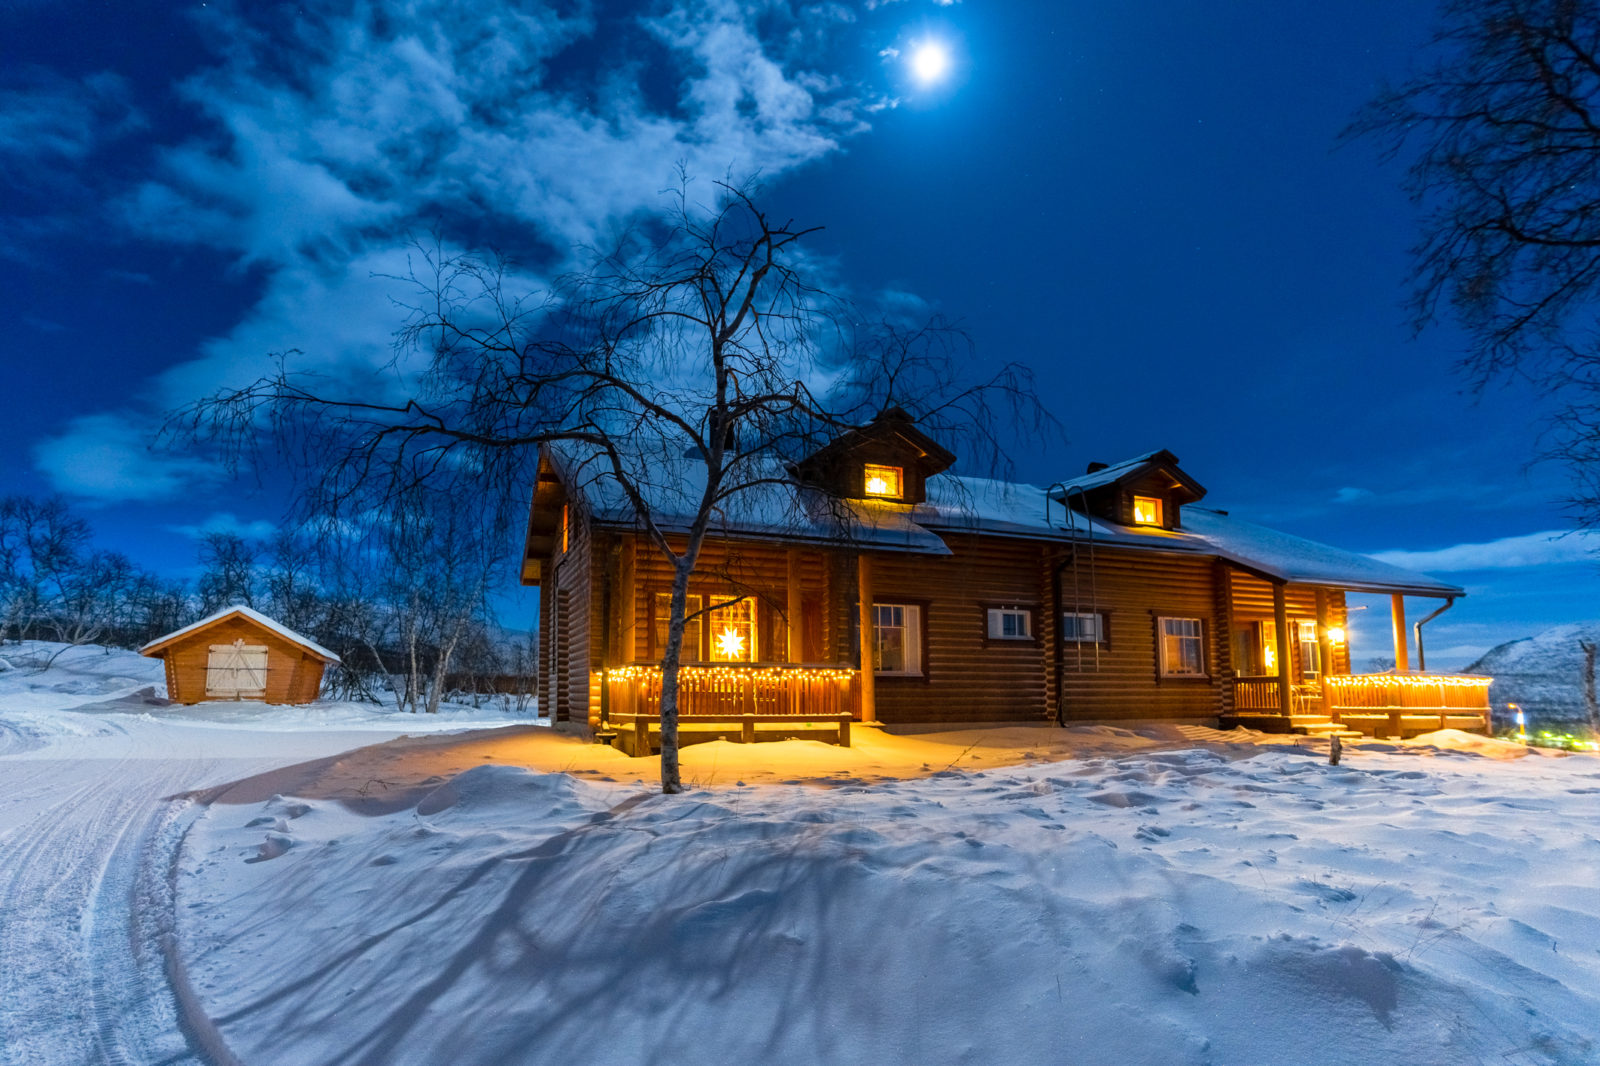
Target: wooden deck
(1375,705)
(736,701)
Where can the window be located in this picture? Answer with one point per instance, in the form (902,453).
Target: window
(566,516)
(1083,627)
(896,638)
(691,627)
(1147,511)
(1181,648)
(883,481)
(237,671)
(1310,651)
(732,628)
(1010,623)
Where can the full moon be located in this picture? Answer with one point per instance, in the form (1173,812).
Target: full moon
(929,62)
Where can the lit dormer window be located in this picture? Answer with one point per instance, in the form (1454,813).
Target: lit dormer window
(1147,511)
(883,481)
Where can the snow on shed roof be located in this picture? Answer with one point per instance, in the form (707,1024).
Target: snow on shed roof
(253,615)
(1305,562)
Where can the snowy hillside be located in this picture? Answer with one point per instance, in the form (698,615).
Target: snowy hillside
(1543,674)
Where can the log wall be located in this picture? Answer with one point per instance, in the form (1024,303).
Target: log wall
(1132,590)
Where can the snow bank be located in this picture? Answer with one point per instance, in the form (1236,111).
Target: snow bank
(1159,906)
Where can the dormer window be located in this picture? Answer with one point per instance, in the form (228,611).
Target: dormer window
(1147,511)
(887,482)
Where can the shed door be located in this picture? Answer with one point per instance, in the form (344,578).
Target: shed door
(237,671)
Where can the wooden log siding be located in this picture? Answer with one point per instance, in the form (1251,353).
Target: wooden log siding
(1133,590)
(967,677)
(570,610)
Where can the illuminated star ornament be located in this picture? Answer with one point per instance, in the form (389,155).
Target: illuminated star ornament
(930,62)
(731,643)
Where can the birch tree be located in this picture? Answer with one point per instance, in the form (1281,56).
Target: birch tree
(687,362)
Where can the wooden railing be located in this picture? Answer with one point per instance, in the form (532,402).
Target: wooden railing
(1256,694)
(1409,703)
(774,689)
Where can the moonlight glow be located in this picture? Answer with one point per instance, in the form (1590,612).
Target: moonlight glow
(929,62)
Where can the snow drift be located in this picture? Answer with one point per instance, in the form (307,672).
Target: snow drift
(1184,906)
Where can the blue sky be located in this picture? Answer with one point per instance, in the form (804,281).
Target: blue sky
(1148,204)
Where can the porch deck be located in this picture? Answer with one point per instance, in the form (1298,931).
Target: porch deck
(736,701)
(1391,704)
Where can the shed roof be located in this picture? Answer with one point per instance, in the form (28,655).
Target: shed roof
(156,647)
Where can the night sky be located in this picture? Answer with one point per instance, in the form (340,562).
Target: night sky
(1147,203)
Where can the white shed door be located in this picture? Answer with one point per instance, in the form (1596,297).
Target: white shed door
(237,671)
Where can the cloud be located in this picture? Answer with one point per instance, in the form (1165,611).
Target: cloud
(107,458)
(1349,494)
(1529,549)
(47,121)
(228,522)
(332,140)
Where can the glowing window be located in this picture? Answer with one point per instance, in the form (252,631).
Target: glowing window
(732,631)
(1182,649)
(1310,651)
(883,481)
(691,652)
(566,516)
(1147,511)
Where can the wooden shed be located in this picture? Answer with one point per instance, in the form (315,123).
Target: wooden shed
(240,654)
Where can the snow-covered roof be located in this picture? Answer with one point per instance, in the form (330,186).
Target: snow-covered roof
(777,508)
(1305,562)
(253,615)
(771,506)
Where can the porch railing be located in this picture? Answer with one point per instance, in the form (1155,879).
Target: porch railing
(774,689)
(1408,703)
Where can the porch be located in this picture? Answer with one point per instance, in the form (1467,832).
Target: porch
(731,701)
(1390,704)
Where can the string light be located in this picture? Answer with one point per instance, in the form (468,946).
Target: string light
(753,674)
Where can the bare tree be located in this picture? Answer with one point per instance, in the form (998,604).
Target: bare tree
(228,571)
(678,373)
(1590,705)
(1502,129)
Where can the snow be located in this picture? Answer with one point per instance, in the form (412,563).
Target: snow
(255,616)
(91,757)
(190,891)
(1152,899)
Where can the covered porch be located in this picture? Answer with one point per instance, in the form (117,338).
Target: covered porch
(1311,688)
(742,701)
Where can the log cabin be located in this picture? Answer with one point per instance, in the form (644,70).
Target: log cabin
(239,653)
(1113,596)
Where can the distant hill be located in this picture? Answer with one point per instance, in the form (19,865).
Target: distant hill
(1543,674)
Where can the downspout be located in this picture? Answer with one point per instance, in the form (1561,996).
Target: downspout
(1422,659)
(1060,649)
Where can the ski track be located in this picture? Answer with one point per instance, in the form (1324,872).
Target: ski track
(86,838)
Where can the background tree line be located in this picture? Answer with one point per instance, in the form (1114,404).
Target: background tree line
(403,596)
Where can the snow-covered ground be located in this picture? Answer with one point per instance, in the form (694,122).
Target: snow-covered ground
(1159,904)
(88,753)
(1096,895)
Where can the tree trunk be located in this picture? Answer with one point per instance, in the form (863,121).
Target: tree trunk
(1589,703)
(670,781)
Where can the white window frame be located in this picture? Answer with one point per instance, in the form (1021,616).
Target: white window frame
(1096,633)
(1198,636)
(997,623)
(1310,650)
(911,624)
